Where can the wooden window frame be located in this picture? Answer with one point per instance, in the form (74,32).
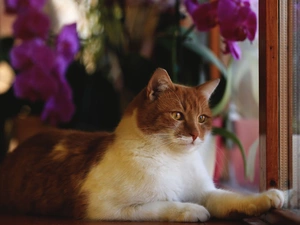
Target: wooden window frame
(275,99)
(268,94)
(275,94)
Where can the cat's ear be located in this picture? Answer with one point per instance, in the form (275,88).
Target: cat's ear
(208,87)
(159,82)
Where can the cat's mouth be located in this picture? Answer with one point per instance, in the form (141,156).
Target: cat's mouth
(188,142)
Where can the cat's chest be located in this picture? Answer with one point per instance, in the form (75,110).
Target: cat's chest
(169,178)
(140,175)
(161,174)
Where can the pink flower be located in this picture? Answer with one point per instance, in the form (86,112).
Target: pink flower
(232,48)
(18,6)
(237,20)
(204,15)
(31,24)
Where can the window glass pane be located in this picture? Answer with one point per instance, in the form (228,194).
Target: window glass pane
(243,119)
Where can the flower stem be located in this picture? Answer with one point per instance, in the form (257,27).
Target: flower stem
(187,32)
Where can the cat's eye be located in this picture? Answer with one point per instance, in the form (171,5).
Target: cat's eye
(202,118)
(177,115)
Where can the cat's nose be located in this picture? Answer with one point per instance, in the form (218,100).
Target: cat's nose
(194,135)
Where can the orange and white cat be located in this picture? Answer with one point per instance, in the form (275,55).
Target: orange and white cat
(149,169)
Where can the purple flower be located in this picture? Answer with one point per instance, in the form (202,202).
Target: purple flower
(31,24)
(34,61)
(204,15)
(237,20)
(59,108)
(67,42)
(60,67)
(20,56)
(41,69)
(33,52)
(18,6)
(35,84)
(232,48)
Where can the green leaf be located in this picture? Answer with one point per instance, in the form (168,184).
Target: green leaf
(195,45)
(219,108)
(229,135)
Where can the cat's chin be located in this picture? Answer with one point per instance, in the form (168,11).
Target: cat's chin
(188,145)
(189,142)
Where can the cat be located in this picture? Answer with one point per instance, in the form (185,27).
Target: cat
(149,169)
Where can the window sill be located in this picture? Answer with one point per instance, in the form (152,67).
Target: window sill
(277,217)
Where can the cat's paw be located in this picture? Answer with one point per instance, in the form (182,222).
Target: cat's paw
(276,197)
(272,198)
(190,212)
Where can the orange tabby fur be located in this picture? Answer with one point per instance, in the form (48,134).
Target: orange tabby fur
(148,169)
(39,178)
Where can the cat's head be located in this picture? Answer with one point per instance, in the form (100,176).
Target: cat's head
(175,115)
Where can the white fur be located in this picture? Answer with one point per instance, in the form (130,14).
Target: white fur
(141,178)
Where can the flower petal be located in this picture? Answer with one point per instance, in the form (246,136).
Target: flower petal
(191,5)
(22,87)
(251,24)
(32,52)
(20,56)
(35,84)
(43,56)
(31,24)
(18,6)
(237,20)
(59,108)
(204,15)
(232,48)
(67,42)
(60,67)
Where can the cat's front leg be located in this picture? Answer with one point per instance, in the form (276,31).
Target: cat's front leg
(226,204)
(165,211)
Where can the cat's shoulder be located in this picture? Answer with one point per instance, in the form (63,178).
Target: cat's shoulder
(55,135)
(60,142)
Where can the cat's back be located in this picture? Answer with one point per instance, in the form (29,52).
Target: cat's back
(44,173)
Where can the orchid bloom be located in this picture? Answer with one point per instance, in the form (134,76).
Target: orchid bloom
(232,48)
(41,68)
(34,60)
(31,24)
(67,43)
(236,19)
(60,106)
(32,53)
(19,6)
(204,15)
(35,84)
